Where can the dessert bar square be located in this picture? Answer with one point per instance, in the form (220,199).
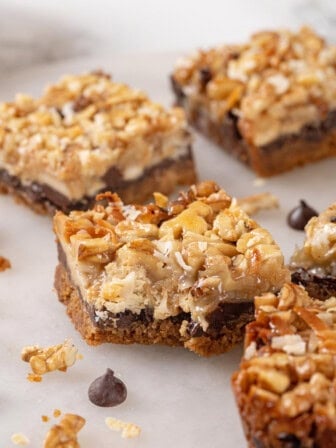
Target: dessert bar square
(285,387)
(314,264)
(270,102)
(87,134)
(177,273)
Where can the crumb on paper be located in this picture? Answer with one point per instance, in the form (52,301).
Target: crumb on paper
(44,360)
(128,430)
(79,356)
(20,439)
(4,264)
(259,182)
(33,378)
(45,418)
(256,202)
(57,413)
(65,432)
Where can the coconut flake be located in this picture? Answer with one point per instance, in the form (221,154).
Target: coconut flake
(293,344)
(130,212)
(202,245)
(181,262)
(250,350)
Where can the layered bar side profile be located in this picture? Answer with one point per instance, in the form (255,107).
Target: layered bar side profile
(177,273)
(285,386)
(87,134)
(314,264)
(270,102)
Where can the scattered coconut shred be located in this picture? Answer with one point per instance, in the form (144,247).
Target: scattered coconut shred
(128,430)
(20,439)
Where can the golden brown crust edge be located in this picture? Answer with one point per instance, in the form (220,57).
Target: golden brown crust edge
(164,332)
(164,180)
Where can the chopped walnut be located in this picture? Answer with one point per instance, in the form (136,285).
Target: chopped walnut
(257,202)
(44,360)
(65,432)
(275,84)
(128,430)
(4,264)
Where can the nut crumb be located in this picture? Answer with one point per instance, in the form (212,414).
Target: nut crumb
(45,418)
(57,413)
(128,430)
(4,264)
(33,378)
(20,439)
(256,202)
(44,360)
(64,434)
(259,182)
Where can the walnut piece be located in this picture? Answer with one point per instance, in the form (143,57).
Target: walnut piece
(4,264)
(44,360)
(128,430)
(64,434)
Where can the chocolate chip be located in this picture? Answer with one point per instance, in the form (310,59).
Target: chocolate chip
(205,76)
(107,390)
(289,440)
(300,215)
(333,219)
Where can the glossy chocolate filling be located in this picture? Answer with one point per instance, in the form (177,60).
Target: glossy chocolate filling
(42,193)
(319,286)
(226,317)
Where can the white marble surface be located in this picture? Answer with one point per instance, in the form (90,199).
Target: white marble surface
(179,399)
(35,31)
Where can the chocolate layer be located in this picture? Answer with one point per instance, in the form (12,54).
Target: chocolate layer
(226,134)
(317,286)
(226,316)
(44,194)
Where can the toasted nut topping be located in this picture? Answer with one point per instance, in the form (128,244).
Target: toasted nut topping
(319,250)
(65,432)
(128,430)
(44,360)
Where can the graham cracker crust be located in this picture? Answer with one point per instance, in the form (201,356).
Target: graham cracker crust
(165,332)
(160,178)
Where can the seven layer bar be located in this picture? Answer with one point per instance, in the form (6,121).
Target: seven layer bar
(178,273)
(271,102)
(87,134)
(286,385)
